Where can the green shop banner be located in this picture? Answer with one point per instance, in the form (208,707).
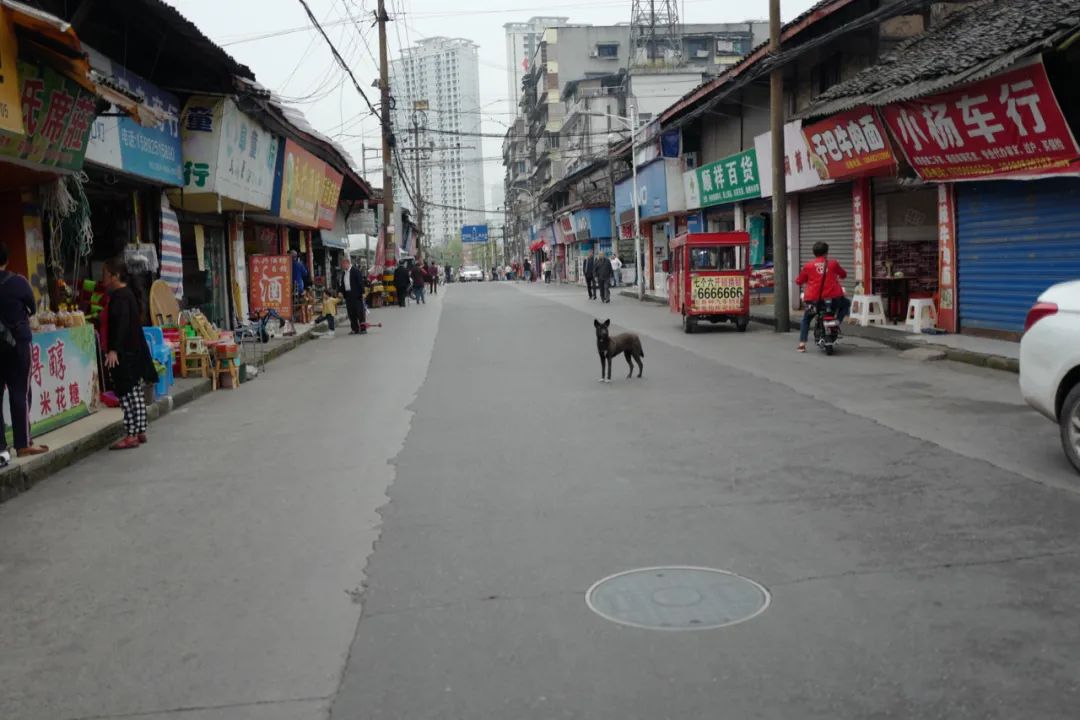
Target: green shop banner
(63,379)
(730,180)
(58,115)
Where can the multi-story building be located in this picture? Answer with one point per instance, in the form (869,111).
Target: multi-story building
(522,39)
(575,98)
(442,75)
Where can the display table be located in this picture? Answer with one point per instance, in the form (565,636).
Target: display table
(64,384)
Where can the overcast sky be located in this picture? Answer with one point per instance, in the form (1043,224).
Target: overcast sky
(276,40)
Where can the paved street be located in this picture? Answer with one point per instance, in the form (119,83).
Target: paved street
(405,526)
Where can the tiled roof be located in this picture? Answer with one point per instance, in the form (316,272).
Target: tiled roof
(972,43)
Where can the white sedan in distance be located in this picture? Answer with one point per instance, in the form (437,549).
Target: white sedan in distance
(1050,362)
(470,273)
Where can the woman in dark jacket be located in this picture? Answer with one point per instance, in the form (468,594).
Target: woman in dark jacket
(129,358)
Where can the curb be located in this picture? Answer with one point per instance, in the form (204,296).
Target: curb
(17,479)
(893,340)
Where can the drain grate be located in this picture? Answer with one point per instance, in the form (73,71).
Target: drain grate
(677,598)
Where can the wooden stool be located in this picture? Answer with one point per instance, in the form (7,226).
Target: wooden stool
(194,360)
(225,366)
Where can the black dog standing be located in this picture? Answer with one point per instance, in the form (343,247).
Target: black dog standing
(627,344)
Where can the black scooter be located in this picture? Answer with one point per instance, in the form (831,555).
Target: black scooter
(826,325)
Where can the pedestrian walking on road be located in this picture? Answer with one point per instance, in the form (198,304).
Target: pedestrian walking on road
(16,307)
(590,275)
(604,274)
(401,283)
(449,275)
(547,272)
(419,277)
(355,284)
(528,271)
(129,360)
(433,278)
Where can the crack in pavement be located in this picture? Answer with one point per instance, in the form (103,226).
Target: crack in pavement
(464,601)
(203,708)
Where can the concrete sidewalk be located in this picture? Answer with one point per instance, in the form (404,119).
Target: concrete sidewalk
(71,443)
(983,352)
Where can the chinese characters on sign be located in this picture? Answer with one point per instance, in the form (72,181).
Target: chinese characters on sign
(1008,125)
(798,169)
(63,378)
(328,201)
(852,143)
(860,225)
(57,115)
(299,186)
(270,279)
(10,114)
(732,179)
(947,258)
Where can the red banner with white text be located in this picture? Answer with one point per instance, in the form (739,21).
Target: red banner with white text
(1009,125)
(851,144)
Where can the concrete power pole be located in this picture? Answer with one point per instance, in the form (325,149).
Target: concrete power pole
(419,120)
(782,302)
(387,138)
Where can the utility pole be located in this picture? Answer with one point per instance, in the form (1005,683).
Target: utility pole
(419,118)
(782,308)
(390,246)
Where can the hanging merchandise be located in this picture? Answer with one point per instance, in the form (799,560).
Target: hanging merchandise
(172,265)
(143,255)
(65,205)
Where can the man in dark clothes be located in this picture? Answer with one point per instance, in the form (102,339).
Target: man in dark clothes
(590,275)
(16,307)
(433,278)
(604,272)
(419,277)
(401,283)
(355,282)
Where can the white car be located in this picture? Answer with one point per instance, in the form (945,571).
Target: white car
(1050,362)
(470,273)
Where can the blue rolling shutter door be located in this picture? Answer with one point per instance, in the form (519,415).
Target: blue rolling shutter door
(1014,240)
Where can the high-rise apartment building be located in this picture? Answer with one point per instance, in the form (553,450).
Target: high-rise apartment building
(441,74)
(522,39)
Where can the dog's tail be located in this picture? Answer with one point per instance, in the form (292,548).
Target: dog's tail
(637,346)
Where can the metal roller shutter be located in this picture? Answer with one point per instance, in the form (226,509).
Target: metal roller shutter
(826,216)
(1014,240)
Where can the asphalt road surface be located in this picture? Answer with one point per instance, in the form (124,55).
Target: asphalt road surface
(405,525)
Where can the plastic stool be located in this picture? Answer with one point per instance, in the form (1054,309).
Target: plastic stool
(921,314)
(867,310)
(228,368)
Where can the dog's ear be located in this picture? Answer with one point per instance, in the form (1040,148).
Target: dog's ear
(607,323)
(596,323)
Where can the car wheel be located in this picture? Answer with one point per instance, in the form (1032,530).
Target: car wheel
(689,324)
(741,324)
(1070,427)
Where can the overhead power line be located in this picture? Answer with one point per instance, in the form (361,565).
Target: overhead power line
(337,56)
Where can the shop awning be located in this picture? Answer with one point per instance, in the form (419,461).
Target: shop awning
(54,38)
(331,240)
(536,246)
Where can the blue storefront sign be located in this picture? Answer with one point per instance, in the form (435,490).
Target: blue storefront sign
(592,224)
(652,190)
(123,144)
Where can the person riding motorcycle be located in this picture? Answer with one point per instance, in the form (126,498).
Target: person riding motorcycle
(822,277)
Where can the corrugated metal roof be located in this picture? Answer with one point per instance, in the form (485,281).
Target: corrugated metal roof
(971,44)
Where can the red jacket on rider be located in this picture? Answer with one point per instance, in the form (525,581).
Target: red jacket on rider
(812,274)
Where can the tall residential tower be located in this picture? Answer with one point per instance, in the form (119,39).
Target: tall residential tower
(441,74)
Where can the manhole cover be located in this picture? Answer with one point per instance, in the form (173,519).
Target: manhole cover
(677,598)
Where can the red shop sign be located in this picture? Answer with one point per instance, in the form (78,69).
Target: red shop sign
(271,283)
(850,144)
(1007,125)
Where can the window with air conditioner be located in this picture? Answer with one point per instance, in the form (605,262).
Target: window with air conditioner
(607,51)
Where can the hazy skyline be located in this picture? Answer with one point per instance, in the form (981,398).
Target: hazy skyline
(280,46)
